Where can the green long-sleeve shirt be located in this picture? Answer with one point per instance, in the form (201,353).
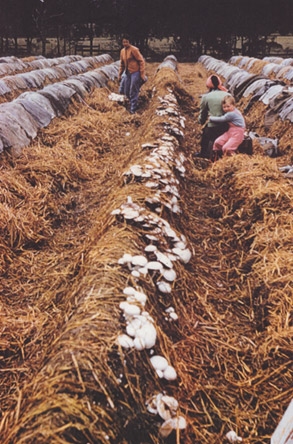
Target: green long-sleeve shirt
(211,103)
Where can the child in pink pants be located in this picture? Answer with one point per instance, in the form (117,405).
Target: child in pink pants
(228,142)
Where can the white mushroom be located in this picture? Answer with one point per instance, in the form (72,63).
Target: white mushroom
(170,373)
(160,373)
(123,305)
(169,275)
(159,362)
(149,145)
(146,174)
(152,403)
(170,233)
(166,428)
(130,330)
(232,437)
(139,343)
(161,257)
(140,297)
(136,170)
(140,218)
(148,333)
(125,259)
(154,265)
(139,260)
(170,310)
(172,424)
(130,213)
(125,341)
(151,237)
(135,273)
(150,248)
(174,316)
(176,209)
(130,309)
(115,212)
(184,255)
(151,184)
(167,407)
(164,287)
(181,245)
(143,270)
(128,291)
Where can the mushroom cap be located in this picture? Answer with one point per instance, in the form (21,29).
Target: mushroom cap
(164,287)
(166,428)
(169,275)
(140,297)
(232,437)
(159,362)
(139,260)
(173,316)
(167,407)
(130,213)
(136,170)
(139,343)
(129,291)
(125,341)
(150,248)
(184,255)
(163,258)
(148,333)
(130,309)
(154,265)
(179,423)
(170,373)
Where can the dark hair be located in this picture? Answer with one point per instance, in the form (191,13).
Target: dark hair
(215,81)
(126,37)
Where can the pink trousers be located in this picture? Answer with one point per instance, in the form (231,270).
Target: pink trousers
(229,141)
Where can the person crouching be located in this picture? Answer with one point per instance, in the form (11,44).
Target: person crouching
(132,65)
(228,142)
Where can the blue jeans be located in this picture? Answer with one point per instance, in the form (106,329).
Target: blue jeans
(130,86)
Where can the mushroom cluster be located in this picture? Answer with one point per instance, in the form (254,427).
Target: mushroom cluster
(167,408)
(157,171)
(164,247)
(233,437)
(116,97)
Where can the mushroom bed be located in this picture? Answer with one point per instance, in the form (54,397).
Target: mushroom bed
(145,293)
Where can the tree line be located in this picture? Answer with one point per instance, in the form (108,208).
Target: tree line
(201,24)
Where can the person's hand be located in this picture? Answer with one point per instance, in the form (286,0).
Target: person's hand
(143,79)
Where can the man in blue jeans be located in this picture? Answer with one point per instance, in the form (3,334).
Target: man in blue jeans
(132,65)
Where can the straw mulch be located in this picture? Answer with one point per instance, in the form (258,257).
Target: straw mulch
(74,384)
(238,297)
(281,129)
(65,380)
(236,339)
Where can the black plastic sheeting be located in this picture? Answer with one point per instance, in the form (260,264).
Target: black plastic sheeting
(21,118)
(242,83)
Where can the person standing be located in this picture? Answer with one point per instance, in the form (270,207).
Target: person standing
(131,73)
(211,104)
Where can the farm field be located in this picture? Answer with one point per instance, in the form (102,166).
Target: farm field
(79,198)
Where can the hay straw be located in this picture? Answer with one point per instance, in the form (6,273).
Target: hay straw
(232,343)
